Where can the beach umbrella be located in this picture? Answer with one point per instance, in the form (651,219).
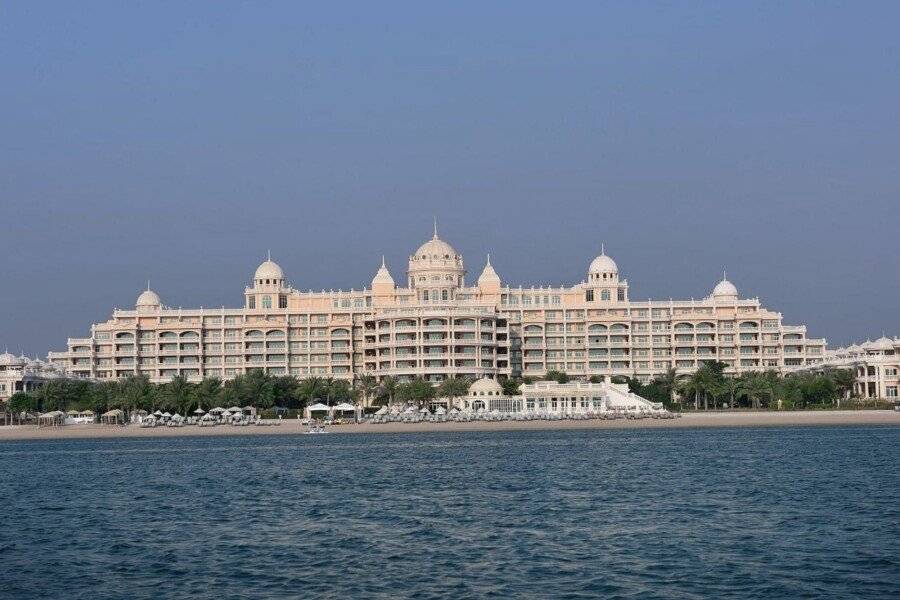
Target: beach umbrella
(440,410)
(345,406)
(199,411)
(166,414)
(381,411)
(158,413)
(424,411)
(226,414)
(217,410)
(318,407)
(235,409)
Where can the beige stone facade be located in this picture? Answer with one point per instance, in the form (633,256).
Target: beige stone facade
(436,326)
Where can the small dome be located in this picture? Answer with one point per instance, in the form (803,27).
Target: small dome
(148,298)
(11,360)
(603,264)
(885,343)
(383,276)
(724,288)
(485,387)
(488,275)
(854,349)
(269,270)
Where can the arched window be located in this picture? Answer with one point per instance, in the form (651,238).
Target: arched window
(267,302)
(604,295)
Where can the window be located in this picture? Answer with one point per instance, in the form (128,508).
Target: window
(282,301)
(620,295)
(589,296)
(267,302)
(251,302)
(604,295)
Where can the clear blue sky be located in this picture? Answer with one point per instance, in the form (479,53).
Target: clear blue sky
(179,141)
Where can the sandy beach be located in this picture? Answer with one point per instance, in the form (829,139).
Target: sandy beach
(293,427)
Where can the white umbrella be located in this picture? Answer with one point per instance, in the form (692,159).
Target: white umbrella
(424,411)
(381,411)
(226,414)
(176,416)
(318,406)
(409,410)
(158,413)
(344,406)
(440,410)
(235,409)
(199,411)
(217,409)
(166,414)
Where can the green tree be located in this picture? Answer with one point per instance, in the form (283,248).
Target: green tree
(206,393)
(453,387)
(843,381)
(367,386)
(19,403)
(177,395)
(388,389)
(557,376)
(510,387)
(310,390)
(418,392)
(756,388)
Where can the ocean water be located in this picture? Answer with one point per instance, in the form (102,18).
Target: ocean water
(714,513)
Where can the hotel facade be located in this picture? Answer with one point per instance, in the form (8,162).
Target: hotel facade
(438,326)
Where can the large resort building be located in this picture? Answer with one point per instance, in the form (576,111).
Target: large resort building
(438,326)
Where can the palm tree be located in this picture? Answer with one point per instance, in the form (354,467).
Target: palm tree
(309,389)
(668,381)
(691,386)
(453,387)
(757,388)
(732,387)
(366,385)
(389,387)
(843,380)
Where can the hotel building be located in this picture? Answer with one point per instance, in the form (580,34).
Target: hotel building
(876,366)
(437,326)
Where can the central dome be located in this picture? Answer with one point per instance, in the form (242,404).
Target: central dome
(436,248)
(436,263)
(269,270)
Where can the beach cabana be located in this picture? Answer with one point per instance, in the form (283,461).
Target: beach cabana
(317,407)
(113,417)
(345,407)
(54,418)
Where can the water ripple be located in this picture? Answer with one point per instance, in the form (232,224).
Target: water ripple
(750,513)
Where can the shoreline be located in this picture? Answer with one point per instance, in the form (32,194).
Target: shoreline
(293,427)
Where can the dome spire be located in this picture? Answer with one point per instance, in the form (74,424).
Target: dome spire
(435,229)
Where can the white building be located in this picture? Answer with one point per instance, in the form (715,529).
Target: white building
(437,326)
(550,397)
(876,366)
(23,374)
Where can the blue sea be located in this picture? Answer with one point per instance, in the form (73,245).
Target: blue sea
(713,513)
